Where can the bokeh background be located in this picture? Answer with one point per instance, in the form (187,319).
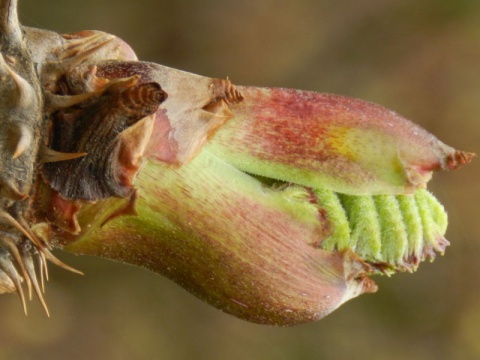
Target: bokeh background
(420,58)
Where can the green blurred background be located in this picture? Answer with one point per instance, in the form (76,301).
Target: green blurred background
(420,58)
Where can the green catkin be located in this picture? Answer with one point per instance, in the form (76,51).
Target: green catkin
(340,237)
(397,230)
(430,211)
(394,239)
(365,236)
(438,212)
(413,224)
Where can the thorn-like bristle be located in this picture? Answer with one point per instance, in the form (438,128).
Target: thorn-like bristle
(79,44)
(30,292)
(9,190)
(16,255)
(41,268)
(49,155)
(122,83)
(24,142)
(30,267)
(6,284)
(26,93)
(59,263)
(43,265)
(55,101)
(23,247)
(24,230)
(7,267)
(80,50)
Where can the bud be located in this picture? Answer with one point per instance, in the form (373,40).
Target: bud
(266,251)
(299,198)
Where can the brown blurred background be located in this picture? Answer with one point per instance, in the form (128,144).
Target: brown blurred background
(420,58)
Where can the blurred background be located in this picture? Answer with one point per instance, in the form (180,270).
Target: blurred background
(420,58)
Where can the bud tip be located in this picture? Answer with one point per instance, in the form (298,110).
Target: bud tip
(457,159)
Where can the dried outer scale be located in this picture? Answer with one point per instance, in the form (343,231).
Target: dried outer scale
(197,108)
(95,131)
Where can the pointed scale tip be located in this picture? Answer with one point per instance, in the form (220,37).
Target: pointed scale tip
(457,159)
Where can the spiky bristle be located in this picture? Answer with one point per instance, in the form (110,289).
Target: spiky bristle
(6,265)
(23,258)
(32,275)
